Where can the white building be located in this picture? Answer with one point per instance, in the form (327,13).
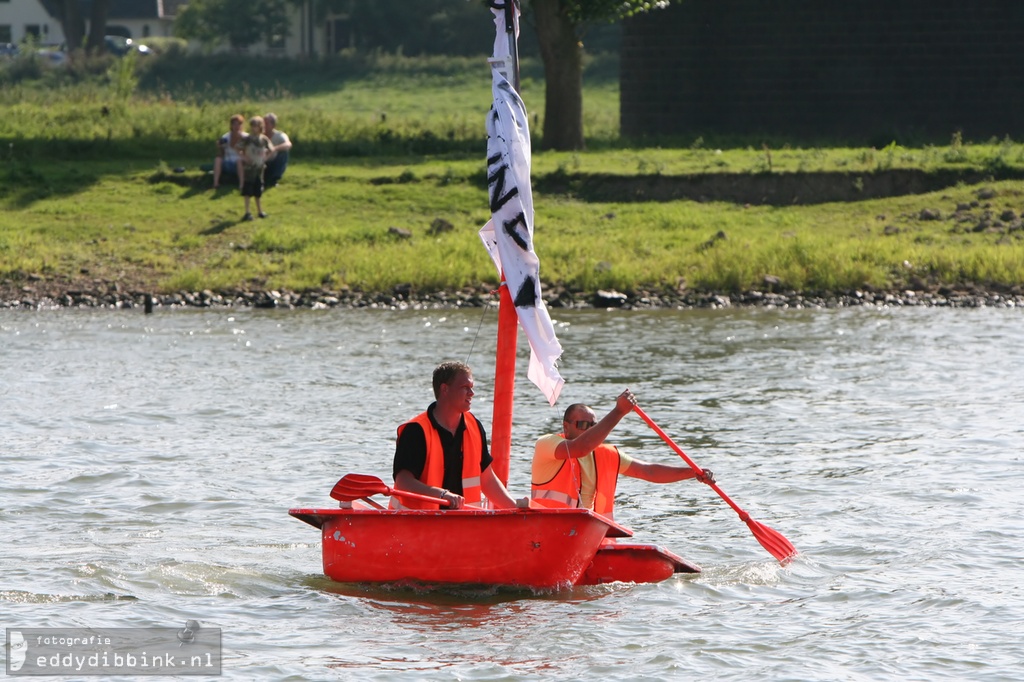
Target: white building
(140,19)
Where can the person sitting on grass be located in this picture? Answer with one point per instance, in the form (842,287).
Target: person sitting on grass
(254,153)
(280,145)
(226,162)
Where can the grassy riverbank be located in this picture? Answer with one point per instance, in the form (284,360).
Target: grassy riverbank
(101,227)
(370,157)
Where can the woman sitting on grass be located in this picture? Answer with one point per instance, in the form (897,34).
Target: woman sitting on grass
(228,147)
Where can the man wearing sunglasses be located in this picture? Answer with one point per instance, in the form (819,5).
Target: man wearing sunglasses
(576,468)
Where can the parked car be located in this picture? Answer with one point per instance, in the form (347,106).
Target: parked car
(8,50)
(120,46)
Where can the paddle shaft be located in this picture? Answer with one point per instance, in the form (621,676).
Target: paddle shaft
(679,451)
(772,540)
(417,496)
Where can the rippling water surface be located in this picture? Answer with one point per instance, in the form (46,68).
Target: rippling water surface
(149,463)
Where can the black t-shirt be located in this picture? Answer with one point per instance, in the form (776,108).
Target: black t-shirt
(411,451)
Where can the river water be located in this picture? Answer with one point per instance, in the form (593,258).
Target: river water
(149,461)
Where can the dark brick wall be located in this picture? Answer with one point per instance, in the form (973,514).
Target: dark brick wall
(864,71)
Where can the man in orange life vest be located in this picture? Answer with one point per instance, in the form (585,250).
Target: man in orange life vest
(442,452)
(576,468)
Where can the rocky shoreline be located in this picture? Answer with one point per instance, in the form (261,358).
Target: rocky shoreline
(403,298)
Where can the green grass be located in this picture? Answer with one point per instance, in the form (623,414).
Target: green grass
(354,105)
(329,229)
(88,196)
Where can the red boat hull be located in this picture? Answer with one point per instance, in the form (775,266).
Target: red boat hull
(534,548)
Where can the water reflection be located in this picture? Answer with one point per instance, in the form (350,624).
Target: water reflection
(441,606)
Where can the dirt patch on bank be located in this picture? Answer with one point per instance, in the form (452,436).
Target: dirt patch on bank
(774,189)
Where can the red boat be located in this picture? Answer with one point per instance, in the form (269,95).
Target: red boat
(540,548)
(530,548)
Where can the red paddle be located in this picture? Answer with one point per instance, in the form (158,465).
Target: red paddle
(357,486)
(772,540)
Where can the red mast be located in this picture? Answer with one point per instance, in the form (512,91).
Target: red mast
(508,320)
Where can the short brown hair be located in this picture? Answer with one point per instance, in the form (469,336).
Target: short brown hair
(445,372)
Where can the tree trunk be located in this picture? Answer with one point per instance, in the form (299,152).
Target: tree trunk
(98,25)
(562,54)
(72,24)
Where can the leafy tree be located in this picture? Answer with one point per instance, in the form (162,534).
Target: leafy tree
(561,25)
(240,23)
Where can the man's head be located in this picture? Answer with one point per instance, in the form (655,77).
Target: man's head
(453,385)
(271,121)
(577,419)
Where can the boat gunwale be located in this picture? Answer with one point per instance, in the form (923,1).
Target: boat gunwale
(317,516)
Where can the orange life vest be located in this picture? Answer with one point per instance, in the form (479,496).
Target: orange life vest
(563,490)
(606,465)
(433,468)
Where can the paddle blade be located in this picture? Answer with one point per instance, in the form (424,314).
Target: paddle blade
(357,486)
(773,541)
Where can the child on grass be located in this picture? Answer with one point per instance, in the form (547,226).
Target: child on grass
(254,151)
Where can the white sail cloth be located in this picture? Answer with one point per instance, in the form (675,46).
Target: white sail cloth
(510,244)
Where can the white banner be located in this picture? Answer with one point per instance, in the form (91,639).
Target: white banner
(511,244)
